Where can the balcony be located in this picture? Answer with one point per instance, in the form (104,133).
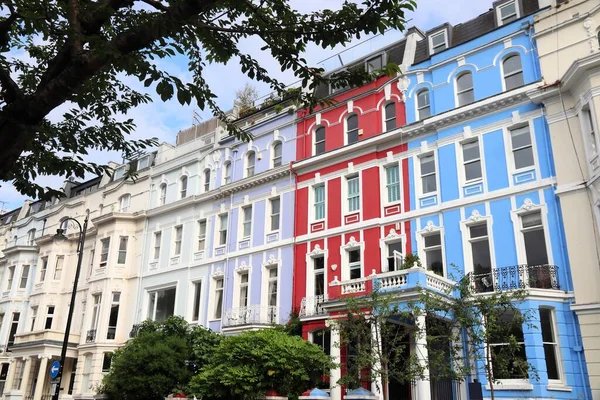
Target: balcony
(44,336)
(90,337)
(251,315)
(313,306)
(516,277)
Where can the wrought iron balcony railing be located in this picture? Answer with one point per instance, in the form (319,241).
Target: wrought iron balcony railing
(313,305)
(516,277)
(251,315)
(91,336)
(135,330)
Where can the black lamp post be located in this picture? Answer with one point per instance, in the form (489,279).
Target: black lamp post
(63,353)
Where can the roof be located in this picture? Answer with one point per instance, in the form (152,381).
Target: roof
(472,29)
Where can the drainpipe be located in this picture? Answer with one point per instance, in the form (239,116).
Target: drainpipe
(293,171)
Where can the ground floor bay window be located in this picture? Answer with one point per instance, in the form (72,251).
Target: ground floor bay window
(161,304)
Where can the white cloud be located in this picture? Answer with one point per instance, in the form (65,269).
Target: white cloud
(164,119)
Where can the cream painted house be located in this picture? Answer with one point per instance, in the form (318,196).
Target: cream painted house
(567,36)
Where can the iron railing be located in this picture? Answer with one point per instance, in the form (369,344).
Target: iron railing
(90,337)
(135,330)
(516,277)
(250,315)
(312,305)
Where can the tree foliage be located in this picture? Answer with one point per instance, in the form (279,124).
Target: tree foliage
(378,330)
(160,360)
(246,366)
(78,53)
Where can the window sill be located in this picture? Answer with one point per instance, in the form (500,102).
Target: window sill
(514,385)
(215,320)
(559,387)
(473,182)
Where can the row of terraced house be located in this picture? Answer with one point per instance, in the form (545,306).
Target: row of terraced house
(480,157)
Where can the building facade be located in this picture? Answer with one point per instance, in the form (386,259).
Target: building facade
(218,249)
(569,54)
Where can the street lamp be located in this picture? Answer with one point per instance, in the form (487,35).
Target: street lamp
(60,236)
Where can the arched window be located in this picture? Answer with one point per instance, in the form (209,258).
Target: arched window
(183,187)
(206,179)
(464,89)
(352,128)
(31,237)
(124,203)
(250,161)
(513,71)
(390,116)
(227,173)
(423,104)
(277,154)
(162,194)
(319,140)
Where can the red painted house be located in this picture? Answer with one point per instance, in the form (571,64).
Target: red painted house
(349,175)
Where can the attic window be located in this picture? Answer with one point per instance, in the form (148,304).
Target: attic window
(374,63)
(336,89)
(119,172)
(438,42)
(144,162)
(508,12)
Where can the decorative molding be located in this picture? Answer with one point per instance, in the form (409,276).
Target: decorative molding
(475,216)
(217,273)
(392,234)
(317,251)
(351,243)
(271,261)
(334,267)
(430,227)
(587,25)
(242,267)
(403,84)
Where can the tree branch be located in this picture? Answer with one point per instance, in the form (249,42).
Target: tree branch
(9,86)
(5,26)
(156,4)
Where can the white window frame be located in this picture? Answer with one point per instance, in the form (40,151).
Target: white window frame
(418,107)
(313,203)
(246,222)
(274,158)
(143,159)
(419,181)
(121,250)
(432,50)
(510,151)
(501,19)
(384,242)
(183,186)
(589,127)
(213,296)
(513,382)
(457,92)
(24,278)
(431,230)
(96,310)
(206,178)
(465,225)
(34,311)
(386,118)
(380,56)
(463,163)
(31,237)
(265,290)
(358,196)
(43,269)
(317,252)
(315,142)
(346,131)
(345,250)
(557,348)
(505,75)
(119,172)
(227,173)
(271,215)
(222,228)
(162,194)
(50,315)
(249,170)
(337,90)
(104,255)
(156,289)
(124,202)
(10,277)
(58,275)
(387,185)
(527,208)
(195,296)
(201,241)
(177,240)
(237,285)
(157,242)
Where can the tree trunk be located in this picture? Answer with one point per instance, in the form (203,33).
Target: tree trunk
(13,140)
(488,368)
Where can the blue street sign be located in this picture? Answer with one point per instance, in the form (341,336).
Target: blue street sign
(54,368)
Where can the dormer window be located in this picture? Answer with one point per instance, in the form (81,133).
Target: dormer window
(438,42)
(337,87)
(144,162)
(507,12)
(375,63)
(119,173)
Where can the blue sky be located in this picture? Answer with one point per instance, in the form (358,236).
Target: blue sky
(164,119)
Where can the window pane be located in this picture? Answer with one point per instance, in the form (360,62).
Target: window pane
(319,284)
(471,151)
(434,261)
(438,39)
(464,82)
(165,304)
(390,124)
(535,247)
(546,325)
(523,157)
(319,263)
(473,170)
(427,165)
(508,10)
(352,122)
(423,98)
(514,81)
(520,137)
(533,219)
(433,240)
(353,136)
(429,184)
(320,148)
(478,230)
(481,257)
(355,273)
(375,63)
(354,256)
(392,247)
(512,64)
(320,134)
(465,98)
(551,361)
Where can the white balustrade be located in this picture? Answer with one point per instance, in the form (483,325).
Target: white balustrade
(394,279)
(355,286)
(312,305)
(437,282)
(250,315)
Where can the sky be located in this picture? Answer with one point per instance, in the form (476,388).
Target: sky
(163,120)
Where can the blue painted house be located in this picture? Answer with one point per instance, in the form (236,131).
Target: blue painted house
(217,250)
(482,186)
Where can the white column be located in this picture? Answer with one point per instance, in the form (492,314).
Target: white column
(377,383)
(336,373)
(41,379)
(12,364)
(26,373)
(423,385)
